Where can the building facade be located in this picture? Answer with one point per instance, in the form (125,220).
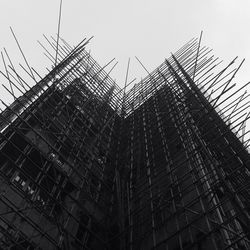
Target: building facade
(85,164)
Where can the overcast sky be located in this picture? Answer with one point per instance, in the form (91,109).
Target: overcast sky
(148,29)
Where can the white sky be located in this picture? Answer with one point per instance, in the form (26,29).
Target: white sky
(148,29)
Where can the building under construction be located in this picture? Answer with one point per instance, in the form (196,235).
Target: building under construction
(86,164)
